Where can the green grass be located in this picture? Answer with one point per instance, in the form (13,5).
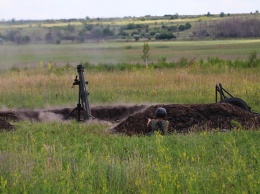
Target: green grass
(116,52)
(80,158)
(51,86)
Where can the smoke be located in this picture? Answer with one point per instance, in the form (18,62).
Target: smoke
(49,117)
(46,116)
(105,115)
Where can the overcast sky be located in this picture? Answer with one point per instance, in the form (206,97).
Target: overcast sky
(65,9)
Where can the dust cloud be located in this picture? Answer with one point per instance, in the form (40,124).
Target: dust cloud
(50,117)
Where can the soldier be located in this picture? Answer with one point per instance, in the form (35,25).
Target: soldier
(159,124)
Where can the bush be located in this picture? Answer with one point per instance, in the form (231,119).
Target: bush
(22,39)
(136,37)
(128,47)
(252,60)
(164,36)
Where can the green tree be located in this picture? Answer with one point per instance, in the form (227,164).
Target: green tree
(107,32)
(81,35)
(70,28)
(97,33)
(136,37)
(12,34)
(188,25)
(164,36)
(49,38)
(252,59)
(146,50)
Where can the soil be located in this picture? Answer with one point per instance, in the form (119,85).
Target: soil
(192,117)
(131,120)
(4,125)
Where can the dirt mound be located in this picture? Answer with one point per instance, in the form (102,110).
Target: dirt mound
(4,118)
(9,115)
(112,114)
(4,125)
(192,117)
(132,120)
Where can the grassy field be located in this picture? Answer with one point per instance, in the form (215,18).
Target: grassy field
(123,52)
(84,158)
(51,86)
(71,157)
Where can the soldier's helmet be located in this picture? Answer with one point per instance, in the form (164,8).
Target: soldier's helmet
(161,112)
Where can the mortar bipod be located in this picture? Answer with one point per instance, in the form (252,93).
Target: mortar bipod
(226,97)
(83,103)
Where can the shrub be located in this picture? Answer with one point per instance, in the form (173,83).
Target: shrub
(136,37)
(128,47)
(164,36)
(252,60)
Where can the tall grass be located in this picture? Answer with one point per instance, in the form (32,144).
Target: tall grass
(185,81)
(80,158)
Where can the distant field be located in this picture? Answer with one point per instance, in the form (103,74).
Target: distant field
(117,52)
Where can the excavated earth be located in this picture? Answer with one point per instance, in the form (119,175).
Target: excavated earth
(131,120)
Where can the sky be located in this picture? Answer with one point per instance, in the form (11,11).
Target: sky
(68,9)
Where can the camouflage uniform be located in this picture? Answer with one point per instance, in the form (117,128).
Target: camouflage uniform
(159,126)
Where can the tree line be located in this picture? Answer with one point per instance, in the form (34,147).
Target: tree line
(230,27)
